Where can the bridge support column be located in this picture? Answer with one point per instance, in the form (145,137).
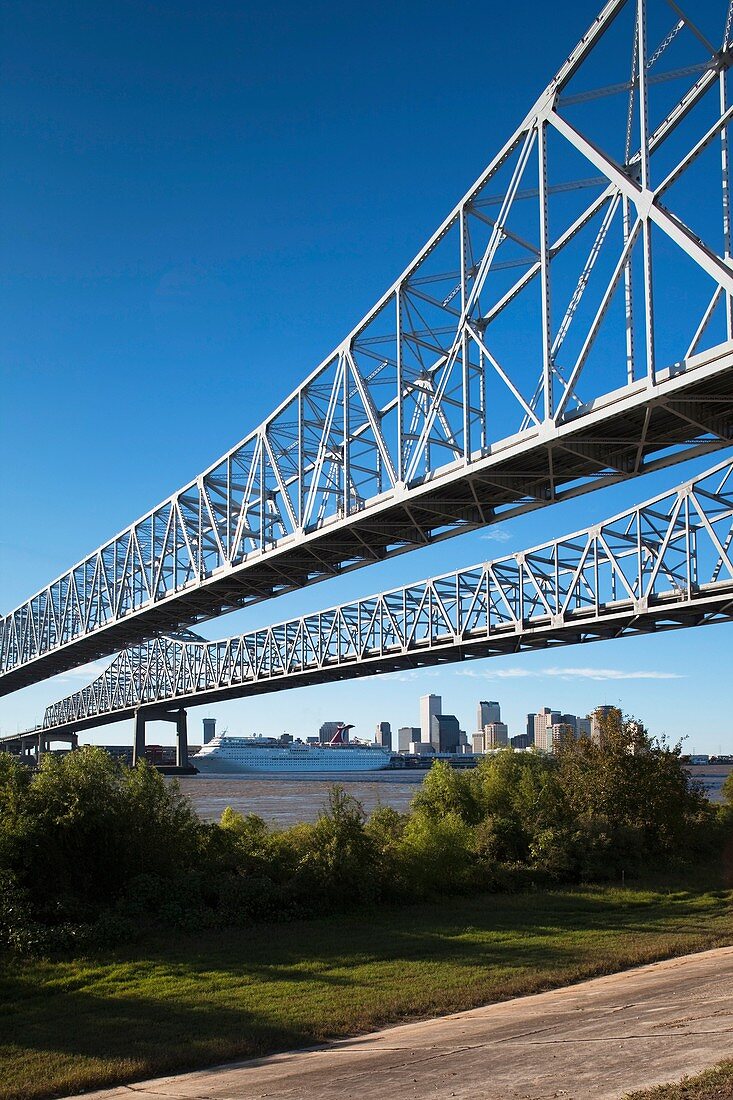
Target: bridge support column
(178,716)
(181,739)
(138,745)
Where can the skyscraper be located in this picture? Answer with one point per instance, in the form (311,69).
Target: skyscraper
(384,735)
(487,712)
(430,706)
(406,736)
(446,732)
(530,728)
(496,735)
(543,722)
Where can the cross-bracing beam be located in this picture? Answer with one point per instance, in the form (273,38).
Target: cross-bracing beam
(569,324)
(664,564)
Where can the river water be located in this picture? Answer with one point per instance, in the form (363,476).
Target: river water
(286,801)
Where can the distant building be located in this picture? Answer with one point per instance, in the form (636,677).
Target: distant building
(209,730)
(596,722)
(421,748)
(430,706)
(445,733)
(558,734)
(328,730)
(543,722)
(522,741)
(478,743)
(582,727)
(384,735)
(530,727)
(487,712)
(406,736)
(496,735)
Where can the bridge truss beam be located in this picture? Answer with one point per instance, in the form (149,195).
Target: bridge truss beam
(665,564)
(569,324)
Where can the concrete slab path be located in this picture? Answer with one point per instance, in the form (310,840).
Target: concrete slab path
(591,1041)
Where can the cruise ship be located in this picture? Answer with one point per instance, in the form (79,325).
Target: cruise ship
(227,754)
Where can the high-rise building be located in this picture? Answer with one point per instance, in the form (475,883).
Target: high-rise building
(384,735)
(430,706)
(478,743)
(487,712)
(582,727)
(521,741)
(406,735)
(558,734)
(445,732)
(530,728)
(209,730)
(496,735)
(596,718)
(543,722)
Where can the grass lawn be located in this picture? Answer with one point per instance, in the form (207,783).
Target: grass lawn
(714,1084)
(187,1002)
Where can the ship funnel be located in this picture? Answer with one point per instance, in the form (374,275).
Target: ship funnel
(341,736)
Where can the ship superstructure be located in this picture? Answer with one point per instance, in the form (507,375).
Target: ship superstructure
(227,754)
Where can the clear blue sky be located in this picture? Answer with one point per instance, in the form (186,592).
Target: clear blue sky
(198,201)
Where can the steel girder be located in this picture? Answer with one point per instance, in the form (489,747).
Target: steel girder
(569,324)
(664,564)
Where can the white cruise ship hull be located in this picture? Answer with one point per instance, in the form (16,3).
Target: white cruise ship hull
(228,756)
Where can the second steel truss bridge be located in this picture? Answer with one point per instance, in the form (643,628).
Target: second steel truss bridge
(568,324)
(662,565)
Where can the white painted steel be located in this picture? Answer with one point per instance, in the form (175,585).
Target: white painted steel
(663,564)
(530,351)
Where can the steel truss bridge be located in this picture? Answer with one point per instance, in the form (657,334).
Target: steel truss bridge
(570,323)
(664,564)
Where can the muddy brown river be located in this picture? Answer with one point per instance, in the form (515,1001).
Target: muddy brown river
(282,801)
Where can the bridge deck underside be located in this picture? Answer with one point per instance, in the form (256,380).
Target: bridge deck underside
(682,416)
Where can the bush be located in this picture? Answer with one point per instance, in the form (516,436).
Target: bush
(95,853)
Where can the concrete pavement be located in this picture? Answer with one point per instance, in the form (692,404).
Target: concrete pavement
(592,1041)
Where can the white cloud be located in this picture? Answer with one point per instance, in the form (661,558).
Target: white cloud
(498,674)
(571,674)
(612,674)
(496,534)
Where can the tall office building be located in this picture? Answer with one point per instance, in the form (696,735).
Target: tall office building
(445,732)
(384,735)
(530,728)
(596,721)
(543,722)
(209,730)
(406,736)
(558,734)
(496,735)
(430,706)
(487,712)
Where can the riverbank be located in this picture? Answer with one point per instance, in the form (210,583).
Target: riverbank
(185,1002)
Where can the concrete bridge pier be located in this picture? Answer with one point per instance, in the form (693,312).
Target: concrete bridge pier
(144,715)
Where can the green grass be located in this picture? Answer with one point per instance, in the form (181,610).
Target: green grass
(714,1084)
(187,1002)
